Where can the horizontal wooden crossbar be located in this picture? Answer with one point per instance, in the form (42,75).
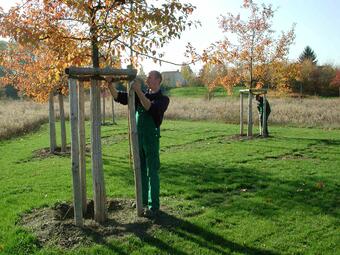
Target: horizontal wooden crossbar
(254,91)
(88,73)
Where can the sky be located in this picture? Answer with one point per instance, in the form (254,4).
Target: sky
(317,25)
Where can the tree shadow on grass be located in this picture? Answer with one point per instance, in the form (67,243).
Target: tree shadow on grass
(203,237)
(199,237)
(210,184)
(212,188)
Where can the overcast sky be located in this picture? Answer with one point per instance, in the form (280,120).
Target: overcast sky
(317,25)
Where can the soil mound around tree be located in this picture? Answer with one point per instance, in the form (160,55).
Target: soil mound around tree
(55,226)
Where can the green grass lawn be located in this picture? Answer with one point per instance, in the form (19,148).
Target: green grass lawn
(201,92)
(279,195)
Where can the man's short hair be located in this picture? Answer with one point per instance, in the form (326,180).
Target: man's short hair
(158,75)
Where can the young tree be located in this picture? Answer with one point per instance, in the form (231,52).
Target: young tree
(188,75)
(282,76)
(106,29)
(308,54)
(326,75)
(254,47)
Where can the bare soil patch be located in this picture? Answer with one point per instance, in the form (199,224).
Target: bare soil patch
(54,226)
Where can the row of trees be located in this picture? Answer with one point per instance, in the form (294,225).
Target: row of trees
(303,77)
(258,58)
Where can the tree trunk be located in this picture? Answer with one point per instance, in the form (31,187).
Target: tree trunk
(53,142)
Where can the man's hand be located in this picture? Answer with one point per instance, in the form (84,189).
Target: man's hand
(137,85)
(112,88)
(108,79)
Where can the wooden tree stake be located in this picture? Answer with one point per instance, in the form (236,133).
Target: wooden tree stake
(82,144)
(53,142)
(62,122)
(135,149)
(250,114)
(99,196)
(241,113)
(77,198)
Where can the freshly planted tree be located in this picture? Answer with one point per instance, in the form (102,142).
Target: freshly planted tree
(249,47)
(105,29)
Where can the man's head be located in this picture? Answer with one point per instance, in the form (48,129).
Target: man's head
(154,80)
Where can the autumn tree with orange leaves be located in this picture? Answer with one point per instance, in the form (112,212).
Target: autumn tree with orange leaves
(34,71)
(249,51)
(83,32)
(104,27)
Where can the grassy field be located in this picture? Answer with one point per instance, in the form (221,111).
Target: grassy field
(220,194)
(201,92)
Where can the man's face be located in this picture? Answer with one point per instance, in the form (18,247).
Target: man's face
(153,82)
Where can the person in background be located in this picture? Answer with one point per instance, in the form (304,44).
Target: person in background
(150,109)
(260,109)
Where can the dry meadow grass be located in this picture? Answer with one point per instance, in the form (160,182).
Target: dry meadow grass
(17,117)
(311,112)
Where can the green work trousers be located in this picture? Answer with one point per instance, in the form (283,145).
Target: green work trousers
(148,139)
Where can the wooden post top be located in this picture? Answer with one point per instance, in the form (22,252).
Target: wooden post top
(88,73)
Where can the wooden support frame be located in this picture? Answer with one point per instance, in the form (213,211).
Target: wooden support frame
(250,93)
(78,141)
(89,73)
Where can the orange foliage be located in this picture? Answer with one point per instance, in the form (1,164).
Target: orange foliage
(336,80)
(75,32)
(254,52)
(35,72)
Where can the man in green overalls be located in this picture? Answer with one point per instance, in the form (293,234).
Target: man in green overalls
(150,108)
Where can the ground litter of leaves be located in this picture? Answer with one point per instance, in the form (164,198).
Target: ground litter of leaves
(54,226)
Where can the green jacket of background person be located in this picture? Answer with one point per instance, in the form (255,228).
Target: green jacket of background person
(260,109)
(150,109)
